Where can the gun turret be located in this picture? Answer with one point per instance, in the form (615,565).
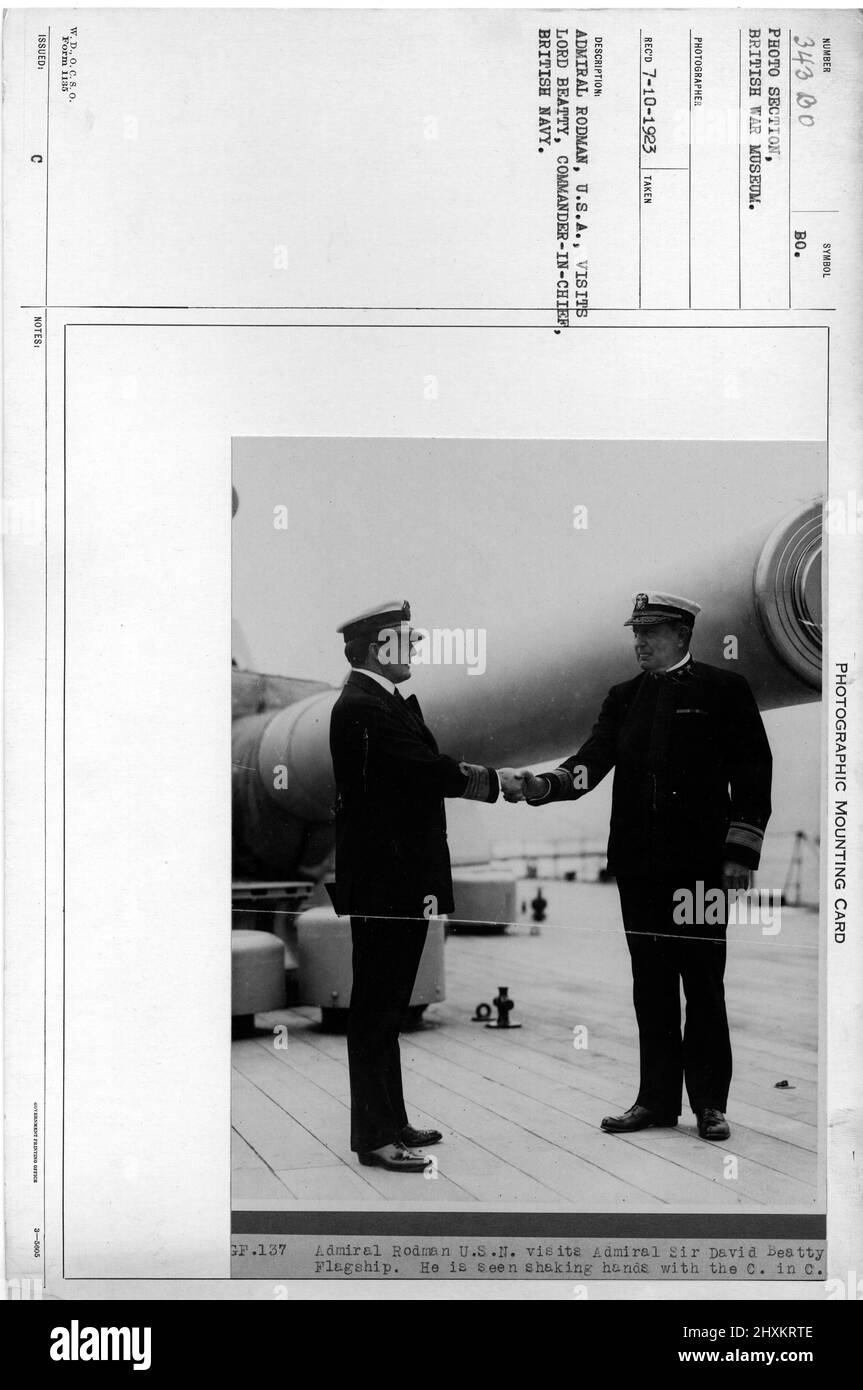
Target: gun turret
(760,590)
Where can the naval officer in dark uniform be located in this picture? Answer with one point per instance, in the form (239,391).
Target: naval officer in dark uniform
(392,866)
(690,801)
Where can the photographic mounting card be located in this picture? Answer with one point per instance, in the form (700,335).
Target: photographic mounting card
(514,314)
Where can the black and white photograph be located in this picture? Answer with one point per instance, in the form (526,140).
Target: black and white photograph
(437,876)
(452,984)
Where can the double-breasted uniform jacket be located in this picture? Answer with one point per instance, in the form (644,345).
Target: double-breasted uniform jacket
(692,773)
(392,855)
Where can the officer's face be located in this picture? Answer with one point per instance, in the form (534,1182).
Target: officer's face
(393,653)
(657,647)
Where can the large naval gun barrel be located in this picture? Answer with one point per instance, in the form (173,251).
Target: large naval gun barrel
(760,591)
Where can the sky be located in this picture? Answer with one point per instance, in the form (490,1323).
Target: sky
(485,533)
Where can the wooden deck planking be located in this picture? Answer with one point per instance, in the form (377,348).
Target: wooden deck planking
(647,1170)
(330,1184)
(494,1156)
(521,1111)
(785,1037)
(774,1053)
(589,1068)
(606,1071)
(280,1080)
(604,1083)
(272,1132)
(251,1182)
(584,1158)
(606,1052)
(608,1080)
(754,1180)
(251,1177)
(242,1154)
(600,954)
(615,1032)
(476,1142)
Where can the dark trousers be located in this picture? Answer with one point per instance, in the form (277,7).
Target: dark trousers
(665,954)
(386,958)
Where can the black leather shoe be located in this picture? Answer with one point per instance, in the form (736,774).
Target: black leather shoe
(395,1158)
(419,1138)
(637,1117)
(712,1124)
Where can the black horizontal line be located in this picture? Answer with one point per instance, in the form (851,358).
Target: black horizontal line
(135,306)
(566,1224)
(435,308)
(496,327)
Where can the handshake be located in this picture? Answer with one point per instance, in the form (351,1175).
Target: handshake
(517,786)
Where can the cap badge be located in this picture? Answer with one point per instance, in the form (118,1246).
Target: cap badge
(640,602)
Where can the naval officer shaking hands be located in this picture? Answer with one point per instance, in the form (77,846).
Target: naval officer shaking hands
(392,866)
(690,802)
